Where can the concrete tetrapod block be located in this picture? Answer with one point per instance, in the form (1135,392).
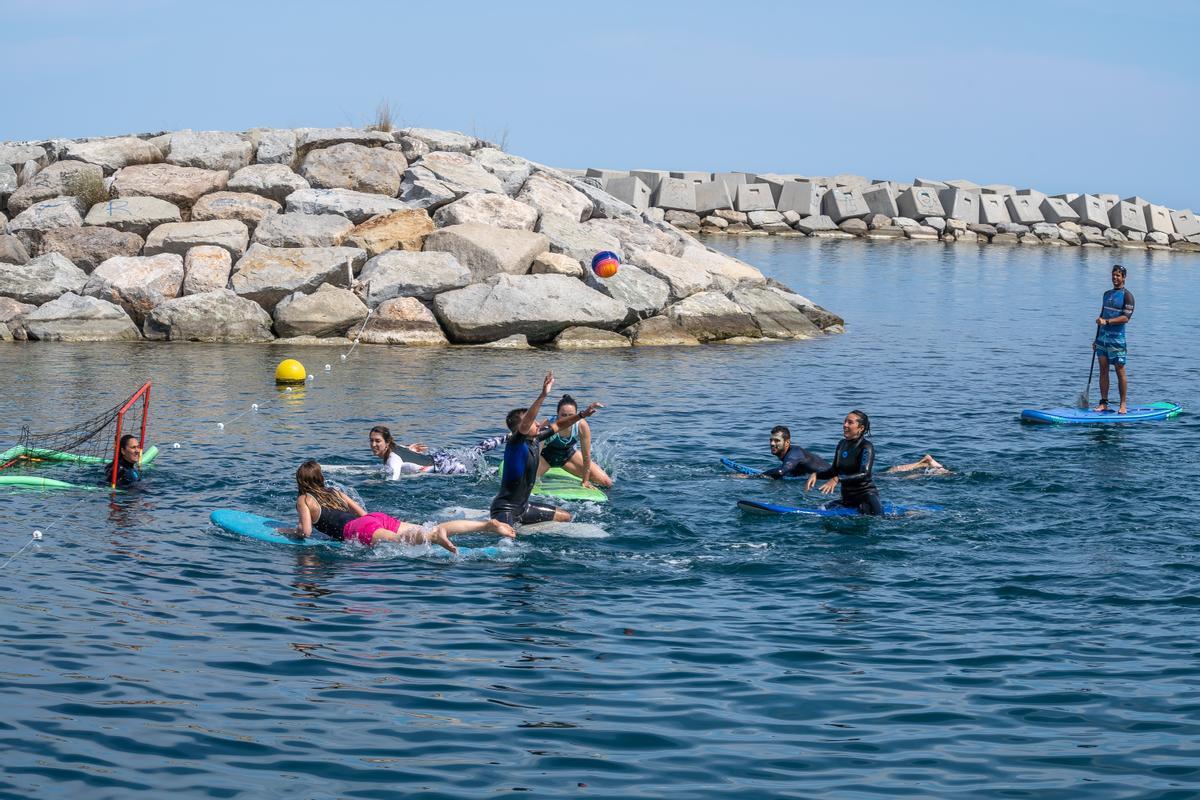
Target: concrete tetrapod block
(1032,193)
(732,180)
(754,197)
(1110,200)
(1068,196)
(998,188)
(651,177)
(777,182)
(1024,208)
(1091,210)
(960,204)
(1158,219)
(931,184)
(964,184)
(605,174)
(1137,201)
(693,177)
(629,189)
(843,204)
(1127,217)
(803,197)
(992,209)
(1056,210)
(919,202)
(881,199)
(715,196)
(1186,223)
(675,194)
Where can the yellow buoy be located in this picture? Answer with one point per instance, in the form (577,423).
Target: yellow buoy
(290,371)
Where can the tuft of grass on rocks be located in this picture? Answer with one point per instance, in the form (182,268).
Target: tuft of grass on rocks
(88,188)
(383,118)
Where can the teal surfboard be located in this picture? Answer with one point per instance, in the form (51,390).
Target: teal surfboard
(1151,412)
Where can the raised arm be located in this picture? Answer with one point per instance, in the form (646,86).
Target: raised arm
(528,423)
(566,422)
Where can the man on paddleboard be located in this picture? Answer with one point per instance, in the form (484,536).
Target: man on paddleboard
(1115,311)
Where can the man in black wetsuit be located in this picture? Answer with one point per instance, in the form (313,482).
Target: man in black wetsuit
(522,450)
(797,462)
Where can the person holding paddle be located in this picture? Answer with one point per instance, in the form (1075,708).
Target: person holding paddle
(1116,310)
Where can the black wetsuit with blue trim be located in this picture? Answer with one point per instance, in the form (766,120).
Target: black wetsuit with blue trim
(511,505)
(797,463)
(852,466)
(127,474)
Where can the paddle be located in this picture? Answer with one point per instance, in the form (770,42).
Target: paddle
(1082,401)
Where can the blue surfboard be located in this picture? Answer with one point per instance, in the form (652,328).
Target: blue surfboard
(889,509)
(1085,416)
(742,469)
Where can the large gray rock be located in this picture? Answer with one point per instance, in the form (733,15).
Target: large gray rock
(137,283)
(354,167)
(711,316)
(8,184)
(329,311)
(12,309)
(205,268)
(819,222)
(15,154)
(683,279)
(556,264)
(406,321)
(642,294)
(71,318)
(726,271)
(400,230)
(659,332)
(633,234)
(303,230)
(182,186)
(580,337)
(272,146)
(113,154)
(486,208)
(554,197)
(358,207)
(403,274)
(273,181)
(30,225)
(89,247)
(451,141)
(216,316)
(775,317)
(580,241)
(512,171)
(216,150)
(486,250)
(62,179)
(179,237)
(138,215)
(422,189)
(249,209)
(13,250)
(460,172)
(538,306)
(266,275)
(41,279)
(308,139)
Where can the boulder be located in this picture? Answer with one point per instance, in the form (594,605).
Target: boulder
(246,207)
(329,311)
(1157,237)
(273,181)
(16,154)
(686,220)
(580,241)
(215,150)
(817,222)
(716,222)
(921,233)
(303,230)
(266,275)
(633,234)
(354,167)
(556,264)
(182,186)
(604,204)
(400,230)
(654,215)
(62,179)
(518,341)
(538,306)
(41,279)
(137,283)
(486,208)
(422,189)
(726,271)
(272,146)
(12,309)
(403,320)
(512,171)
(554,197)
(486,250)
(358,207)
(71,318)
(683,279)
(88,247)
(659,331)
(711,316)
(216,316)
(739,216)
(138,215)
(642,294)
(1005,238)
(412,149)
(1092,235)
(113,154)
(405,274)
(13,251)
(179,237)
(855,226)
(33,222)
(760,218)
(460,173)
(1045,230)
(775,317)
(451,141)
(821,317)
(205,268)
(8,184)
(319,138)
(579,337)
(28,172)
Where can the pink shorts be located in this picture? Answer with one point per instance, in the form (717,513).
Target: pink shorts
(363,529)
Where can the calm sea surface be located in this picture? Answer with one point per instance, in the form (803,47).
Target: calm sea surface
(1037,638)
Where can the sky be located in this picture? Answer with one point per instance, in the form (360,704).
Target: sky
(1057,95)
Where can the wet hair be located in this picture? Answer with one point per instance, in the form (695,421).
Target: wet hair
(386,435)
(863,419)
(782,431)
(566,400)
(121,448)
(311,481)
(513,418)
(1120,269)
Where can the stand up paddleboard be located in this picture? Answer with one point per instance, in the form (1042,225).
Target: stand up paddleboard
(1085,416)
(889,509)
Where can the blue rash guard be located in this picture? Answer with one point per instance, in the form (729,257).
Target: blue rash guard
(1117,303)
(522,454)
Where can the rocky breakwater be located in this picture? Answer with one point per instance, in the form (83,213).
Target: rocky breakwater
(411,237)
(852,206)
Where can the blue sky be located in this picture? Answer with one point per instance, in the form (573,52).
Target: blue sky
(1058,95)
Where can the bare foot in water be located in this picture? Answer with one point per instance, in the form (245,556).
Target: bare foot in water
(501,528)
(438,536)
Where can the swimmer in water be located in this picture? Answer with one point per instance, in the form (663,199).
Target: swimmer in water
(336,515)
(129,463)
(927,464)
(852,466)
(797,462)
(384,447)
(571,448)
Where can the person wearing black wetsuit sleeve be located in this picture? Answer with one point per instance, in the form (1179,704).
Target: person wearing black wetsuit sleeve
(129,463)
(797,462)
(522,452)
(852,467)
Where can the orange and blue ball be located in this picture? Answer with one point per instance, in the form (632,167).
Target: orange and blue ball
(605,264)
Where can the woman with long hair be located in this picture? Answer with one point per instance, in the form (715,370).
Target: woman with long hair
(571,448)
(852,466)
(336,515)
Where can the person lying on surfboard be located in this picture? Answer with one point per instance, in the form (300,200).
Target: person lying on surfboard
(797,462)
(852,466)
(522,456)
(384,447)
(336,515)
(571,448)
(927,463)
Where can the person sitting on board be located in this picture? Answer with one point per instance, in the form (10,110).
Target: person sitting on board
(797,462)
(336,515)
(1116,310)
(522,456)
(852,466)
(572,449)
(384,446)
(129,463)
(927,464)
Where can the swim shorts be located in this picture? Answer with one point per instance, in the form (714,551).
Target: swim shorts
(532,514)
(1115,353)
(363,529)
(557,456)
